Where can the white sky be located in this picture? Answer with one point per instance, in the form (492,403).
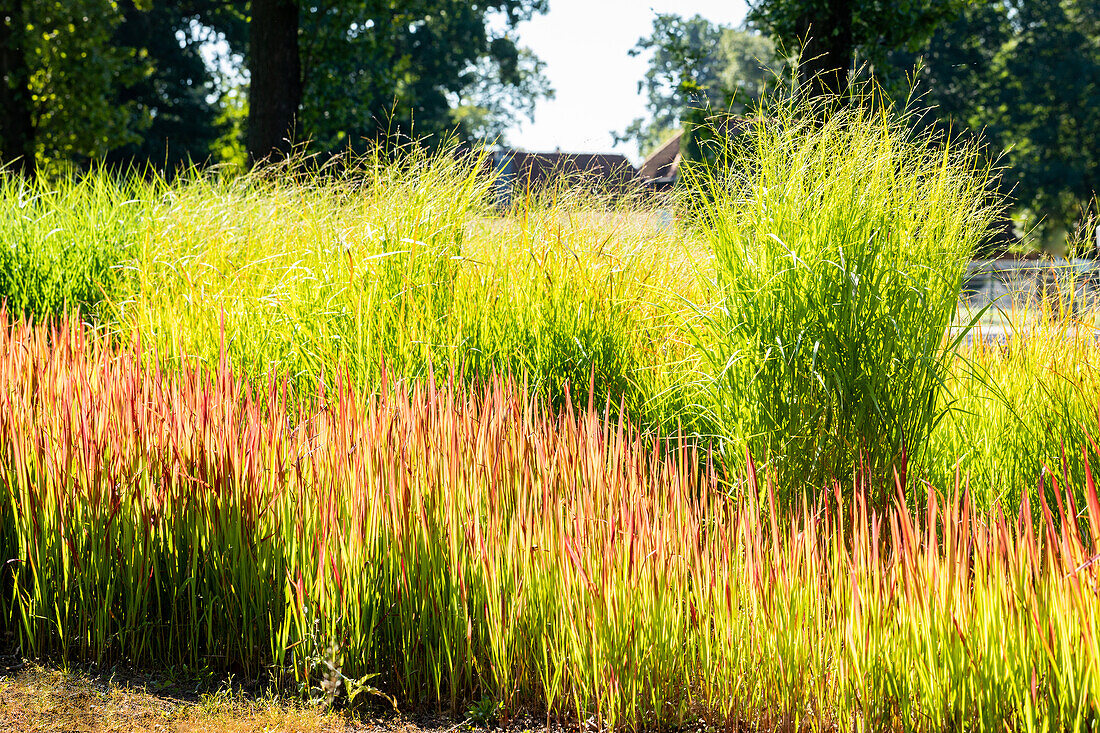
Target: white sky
(584,44)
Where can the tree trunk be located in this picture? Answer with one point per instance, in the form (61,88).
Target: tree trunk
(16,124)
(276,78)
(828,49)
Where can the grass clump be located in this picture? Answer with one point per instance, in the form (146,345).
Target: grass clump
(815,355)
(839,249)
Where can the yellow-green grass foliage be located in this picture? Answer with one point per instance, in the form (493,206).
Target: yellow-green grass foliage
(1018,406)
(404,261)
(839,248)
(61,245)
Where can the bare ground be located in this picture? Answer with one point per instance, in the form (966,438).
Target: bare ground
(41,698)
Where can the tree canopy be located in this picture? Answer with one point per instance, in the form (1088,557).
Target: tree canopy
(424,67)
(167,82)
(59,69)
(179,102)
(1024,75)
(696,65)
(829,36)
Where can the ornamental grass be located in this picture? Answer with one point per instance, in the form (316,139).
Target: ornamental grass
(441,542)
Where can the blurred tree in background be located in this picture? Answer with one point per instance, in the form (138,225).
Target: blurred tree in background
(60,71)
(16,122)
(182,103)
(275,67)
(1026,75)
(697,67)
(498,92)
(683,74)
(1023,74)
(832,37)
(373,68)
(368,69)
(166,82)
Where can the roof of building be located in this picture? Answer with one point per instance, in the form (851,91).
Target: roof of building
(664,162)
(542,167)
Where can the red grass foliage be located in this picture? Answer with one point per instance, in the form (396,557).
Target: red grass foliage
(445,542)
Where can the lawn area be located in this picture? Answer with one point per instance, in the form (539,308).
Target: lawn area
(366,438)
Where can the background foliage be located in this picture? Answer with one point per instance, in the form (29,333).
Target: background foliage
(163,83)
(695,64)
(1026,76)
(375,67)
(1023,76)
